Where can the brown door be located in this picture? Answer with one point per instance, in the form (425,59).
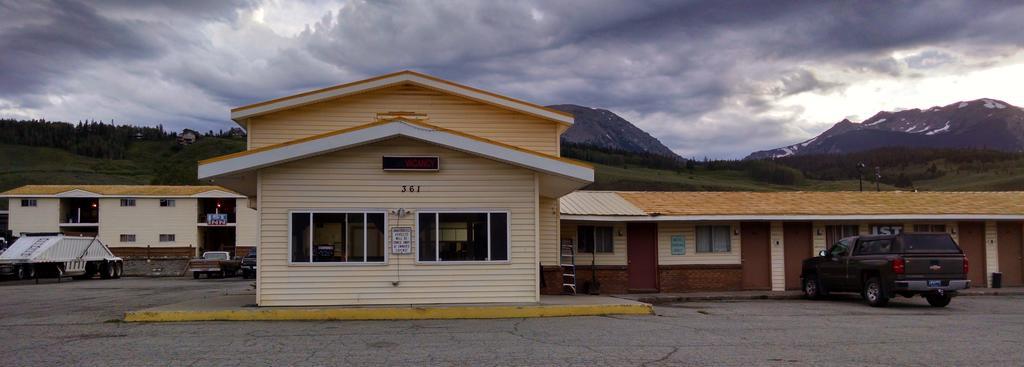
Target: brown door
(972,241)
(642,256)
(796,237)
(754,255)
(1010,253)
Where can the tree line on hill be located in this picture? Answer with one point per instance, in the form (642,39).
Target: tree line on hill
(94,139)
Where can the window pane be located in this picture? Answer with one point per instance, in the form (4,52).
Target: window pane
(585,238)
(499,236)
(300,237)
(721,239)
(329,237)
(703,239)
(375,237)
(463,236)
(603,239)
(428,236)
(354,243)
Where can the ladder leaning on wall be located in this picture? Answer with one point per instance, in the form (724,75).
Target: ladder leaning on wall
(567,263)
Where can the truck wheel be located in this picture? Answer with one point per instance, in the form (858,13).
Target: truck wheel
(938,301)
(107,270)
(812,287)
(195,275)
(873,293)
(30,271)
(20,273)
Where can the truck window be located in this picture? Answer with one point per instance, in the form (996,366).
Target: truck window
(874,247)
(841,248)
(939,243)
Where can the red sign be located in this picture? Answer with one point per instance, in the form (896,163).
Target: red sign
(411,163)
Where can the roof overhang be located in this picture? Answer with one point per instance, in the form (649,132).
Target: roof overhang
(240,114)
(79,193)
(558,176)
(787,217)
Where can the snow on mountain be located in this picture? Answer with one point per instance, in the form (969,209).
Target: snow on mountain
(982,123)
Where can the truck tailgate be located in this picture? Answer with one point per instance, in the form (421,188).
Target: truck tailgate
(935,266)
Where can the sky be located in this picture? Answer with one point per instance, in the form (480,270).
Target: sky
(716,79)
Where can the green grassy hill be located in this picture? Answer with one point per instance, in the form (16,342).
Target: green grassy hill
(148,162)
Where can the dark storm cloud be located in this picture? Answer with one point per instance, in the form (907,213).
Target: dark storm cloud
(700,75)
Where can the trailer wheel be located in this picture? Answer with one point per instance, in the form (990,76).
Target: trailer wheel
(107,270)
(19,273)
(30,271)
(195,275)
(118,269)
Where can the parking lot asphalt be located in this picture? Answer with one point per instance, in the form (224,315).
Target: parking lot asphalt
(76,323)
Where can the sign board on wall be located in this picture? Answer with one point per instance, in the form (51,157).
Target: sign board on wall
(401,240)
(217,219)
(678,245)
(886,229)
(424,163)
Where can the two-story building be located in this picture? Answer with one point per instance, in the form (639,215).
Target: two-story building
(138,220)
(400,189)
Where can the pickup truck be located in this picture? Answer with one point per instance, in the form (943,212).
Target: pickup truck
(880,267)
(214,263)
(249,265)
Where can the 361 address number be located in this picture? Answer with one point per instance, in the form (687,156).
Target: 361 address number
(410,188)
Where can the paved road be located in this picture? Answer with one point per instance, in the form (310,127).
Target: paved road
(74,324)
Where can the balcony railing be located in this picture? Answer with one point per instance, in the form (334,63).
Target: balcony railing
(217,219)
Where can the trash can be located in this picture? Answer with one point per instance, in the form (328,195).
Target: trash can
(997,280)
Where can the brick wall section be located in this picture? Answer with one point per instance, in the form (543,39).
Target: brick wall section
(673,278)
(613,279)
(697,278)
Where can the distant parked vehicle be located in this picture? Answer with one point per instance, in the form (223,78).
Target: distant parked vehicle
(931,265)
(214,263)
(249,265)
(56,255)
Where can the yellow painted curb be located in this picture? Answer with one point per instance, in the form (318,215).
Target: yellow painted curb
(389,313)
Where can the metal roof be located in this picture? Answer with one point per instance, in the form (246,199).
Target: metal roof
(597,203)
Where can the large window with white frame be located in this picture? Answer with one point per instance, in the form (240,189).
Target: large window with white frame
(337,237)
(463,236)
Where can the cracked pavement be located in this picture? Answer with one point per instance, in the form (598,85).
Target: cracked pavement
(75,323)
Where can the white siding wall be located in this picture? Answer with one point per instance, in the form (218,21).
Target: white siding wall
(991,251)
(41,218)
(618,254)
(353,179)
(550,234)
(687,229)
(778,259)
(147,220)
(245,224)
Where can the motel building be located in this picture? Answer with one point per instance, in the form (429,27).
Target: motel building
(727,241)
(409,189)
(138,221)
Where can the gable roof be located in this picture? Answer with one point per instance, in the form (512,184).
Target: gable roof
(813,205)
(569,173)
(118,191)
(239,114)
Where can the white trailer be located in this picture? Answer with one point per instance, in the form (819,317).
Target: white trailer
(57,255)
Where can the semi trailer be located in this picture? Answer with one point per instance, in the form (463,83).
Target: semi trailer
(36,255)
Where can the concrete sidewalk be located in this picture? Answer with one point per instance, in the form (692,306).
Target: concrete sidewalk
(241,307)
(662,298)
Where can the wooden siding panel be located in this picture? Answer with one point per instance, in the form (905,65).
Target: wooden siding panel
(616,257)
(40,218)
(352,179)
(147,220)
(443,110)
(687,229)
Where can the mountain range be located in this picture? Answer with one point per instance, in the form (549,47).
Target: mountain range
(982,123)
(606,130)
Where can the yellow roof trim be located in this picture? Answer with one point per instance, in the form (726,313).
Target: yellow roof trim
(116,190)
(406,72)
(385,121)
